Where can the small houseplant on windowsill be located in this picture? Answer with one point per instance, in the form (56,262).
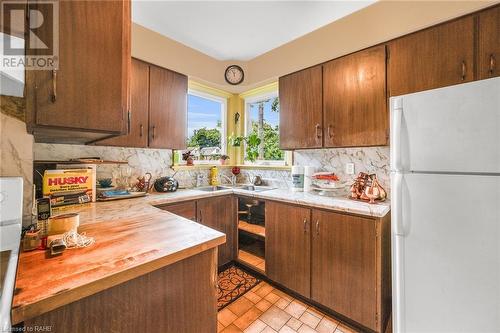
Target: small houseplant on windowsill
(223,158)
(188,157)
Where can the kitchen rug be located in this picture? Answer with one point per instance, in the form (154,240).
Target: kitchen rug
(233,282)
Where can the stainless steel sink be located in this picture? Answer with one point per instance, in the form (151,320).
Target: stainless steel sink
(212,188)
(255,188)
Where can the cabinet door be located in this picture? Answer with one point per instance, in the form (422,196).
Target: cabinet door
(139,109)
(184,209)
(489,43)
(344,265)
(436,57)
(288,241)
(167,108)
(219,213)
(89,90)
(301,123)
(355,101)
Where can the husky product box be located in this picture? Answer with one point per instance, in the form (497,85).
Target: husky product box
(68,186)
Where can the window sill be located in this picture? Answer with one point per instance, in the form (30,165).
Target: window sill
(265,167)
(227,166)
(199,166)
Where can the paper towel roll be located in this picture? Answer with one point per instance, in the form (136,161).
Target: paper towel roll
(308,172)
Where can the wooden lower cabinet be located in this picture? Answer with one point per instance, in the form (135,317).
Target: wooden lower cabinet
(337,260)
(185,209)
(219,213)
(288,246)
(344,265)
(181,297)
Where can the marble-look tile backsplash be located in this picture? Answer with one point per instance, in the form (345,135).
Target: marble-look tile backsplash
(16,157)
(158,162)
(366,159)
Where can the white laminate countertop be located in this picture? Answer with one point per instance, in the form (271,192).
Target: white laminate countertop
(111,210)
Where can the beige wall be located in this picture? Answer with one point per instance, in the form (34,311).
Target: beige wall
(377,23)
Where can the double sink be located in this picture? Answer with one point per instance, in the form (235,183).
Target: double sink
(251,188)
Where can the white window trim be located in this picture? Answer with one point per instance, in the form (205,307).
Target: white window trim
(223,142)
(253,99)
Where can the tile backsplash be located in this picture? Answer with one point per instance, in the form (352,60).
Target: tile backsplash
(158,161)
(365,159)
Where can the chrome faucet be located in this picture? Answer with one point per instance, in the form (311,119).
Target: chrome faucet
(199,179)
(232,179)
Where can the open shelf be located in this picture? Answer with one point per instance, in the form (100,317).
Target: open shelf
(252,260)
(252,228)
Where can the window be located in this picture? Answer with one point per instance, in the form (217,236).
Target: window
(262,131)
(206,132)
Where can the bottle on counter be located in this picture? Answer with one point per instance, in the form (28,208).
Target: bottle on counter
(214,176)
(308,173)
(297,178)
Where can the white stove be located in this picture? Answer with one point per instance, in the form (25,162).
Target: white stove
(11,203)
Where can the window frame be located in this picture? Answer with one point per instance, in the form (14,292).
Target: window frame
(253,99)
(223,102)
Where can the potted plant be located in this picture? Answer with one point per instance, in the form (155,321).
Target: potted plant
(188,157)
(223,158)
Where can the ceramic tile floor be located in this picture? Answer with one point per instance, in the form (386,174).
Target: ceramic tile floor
(265,309)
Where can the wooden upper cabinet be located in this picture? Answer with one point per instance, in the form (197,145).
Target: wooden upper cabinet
(344,265)
(90,88)
(355,101)
(432,58)
(288,241)
(489,43)
(219,213)
(301,116)
(167,108)
(139,109)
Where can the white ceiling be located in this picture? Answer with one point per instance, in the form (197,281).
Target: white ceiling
(238,30)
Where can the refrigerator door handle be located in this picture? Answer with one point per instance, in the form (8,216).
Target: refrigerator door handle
(397,205)
(396,120)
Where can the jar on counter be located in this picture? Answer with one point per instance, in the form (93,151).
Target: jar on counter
(297,178)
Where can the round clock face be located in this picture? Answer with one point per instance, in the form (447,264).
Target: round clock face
(234,74)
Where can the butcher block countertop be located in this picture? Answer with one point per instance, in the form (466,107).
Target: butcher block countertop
(132,238)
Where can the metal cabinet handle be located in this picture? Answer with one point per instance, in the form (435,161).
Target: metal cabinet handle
(317,227)
(318,131)
(141,130)
(492,63)
(330,132)
(305,225)
(201,217)
(53,98)
(464,70)
(154,132)
(129,117)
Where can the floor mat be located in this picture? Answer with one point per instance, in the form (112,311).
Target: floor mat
(232,283)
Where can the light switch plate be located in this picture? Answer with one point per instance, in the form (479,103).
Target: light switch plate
(349,168)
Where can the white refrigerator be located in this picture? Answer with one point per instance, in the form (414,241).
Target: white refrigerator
(445,209)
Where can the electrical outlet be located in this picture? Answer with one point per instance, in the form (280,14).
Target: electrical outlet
(349,168)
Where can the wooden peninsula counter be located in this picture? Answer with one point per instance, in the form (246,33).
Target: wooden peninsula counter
(148,271)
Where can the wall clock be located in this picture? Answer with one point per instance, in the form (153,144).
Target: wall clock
(234,75)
